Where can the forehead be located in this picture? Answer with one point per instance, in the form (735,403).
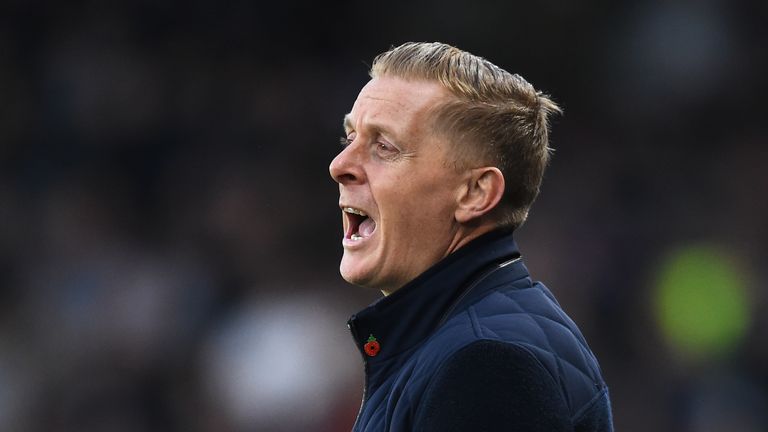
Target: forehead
(394,103)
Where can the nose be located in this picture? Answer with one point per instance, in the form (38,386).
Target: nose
(346,167)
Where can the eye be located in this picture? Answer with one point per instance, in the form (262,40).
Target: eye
(386,149)
(347,140)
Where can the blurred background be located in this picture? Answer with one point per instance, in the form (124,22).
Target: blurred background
(170,237)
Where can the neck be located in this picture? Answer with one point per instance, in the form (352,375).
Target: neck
(468,232)
(462,235)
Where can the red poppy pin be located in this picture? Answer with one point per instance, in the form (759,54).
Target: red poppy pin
(372,347)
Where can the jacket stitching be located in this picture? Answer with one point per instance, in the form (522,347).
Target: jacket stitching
(583,410)
(478,330)
(583,349)
(561,375)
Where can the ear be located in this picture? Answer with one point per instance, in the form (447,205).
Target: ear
(481,193)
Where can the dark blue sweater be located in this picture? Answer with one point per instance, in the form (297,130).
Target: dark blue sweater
(473,344)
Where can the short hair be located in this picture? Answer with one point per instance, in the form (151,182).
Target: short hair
(496,118)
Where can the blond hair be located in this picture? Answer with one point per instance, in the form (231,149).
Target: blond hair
(497,118)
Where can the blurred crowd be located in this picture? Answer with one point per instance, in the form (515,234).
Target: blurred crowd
(170,237)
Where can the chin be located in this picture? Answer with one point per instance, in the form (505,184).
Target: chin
(354,275)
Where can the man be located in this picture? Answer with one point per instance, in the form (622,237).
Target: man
(443,156)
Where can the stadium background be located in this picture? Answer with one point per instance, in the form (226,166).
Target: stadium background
(169,236)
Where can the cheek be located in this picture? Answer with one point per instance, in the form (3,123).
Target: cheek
(415,213)
(414,201)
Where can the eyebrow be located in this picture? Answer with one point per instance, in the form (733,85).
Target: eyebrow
(347,122)
(378,128)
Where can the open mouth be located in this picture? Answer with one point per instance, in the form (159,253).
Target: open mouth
(359,224)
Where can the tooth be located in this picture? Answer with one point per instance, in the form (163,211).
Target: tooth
(354,211)
(356,237)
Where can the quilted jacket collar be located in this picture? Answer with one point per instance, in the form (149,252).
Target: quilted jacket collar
(401,320)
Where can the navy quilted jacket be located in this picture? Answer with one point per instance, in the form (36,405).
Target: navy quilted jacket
(473,344)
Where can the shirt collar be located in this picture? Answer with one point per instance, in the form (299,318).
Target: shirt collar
(398,322)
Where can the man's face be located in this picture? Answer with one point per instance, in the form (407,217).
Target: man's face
(398,187)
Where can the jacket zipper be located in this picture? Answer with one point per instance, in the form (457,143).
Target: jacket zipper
(352,329)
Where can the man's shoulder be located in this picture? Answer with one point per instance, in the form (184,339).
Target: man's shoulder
(527,317)
(495,385)
(515,325)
